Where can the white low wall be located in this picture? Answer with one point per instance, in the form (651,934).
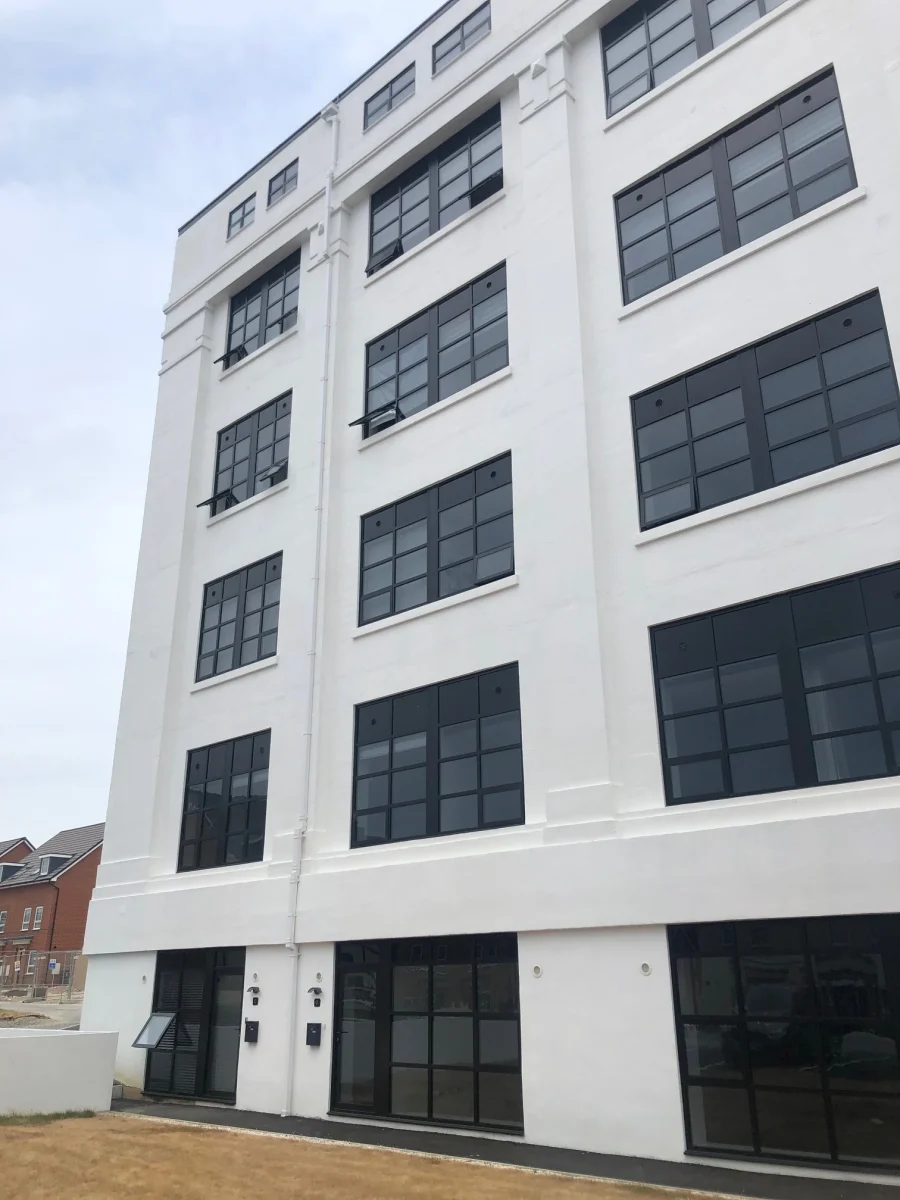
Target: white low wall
(49,1071)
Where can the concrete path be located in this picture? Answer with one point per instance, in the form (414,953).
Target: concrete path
(33,1014)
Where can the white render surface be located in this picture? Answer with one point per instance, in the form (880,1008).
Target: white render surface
(601,865)
(52,1071)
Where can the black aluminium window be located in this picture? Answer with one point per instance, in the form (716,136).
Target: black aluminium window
(240,618)
(476,26)
(791,691)
(438,760)
(262,311)
(755,177)
(428,1030)
(251,455)
(401,87)
(453,536)
(655,39)
(788,1038)
(282,183)
(242,215)
(458,341)
(224,820)
(799,402)
(457,176)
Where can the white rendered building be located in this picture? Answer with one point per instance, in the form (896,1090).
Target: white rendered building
(511,721)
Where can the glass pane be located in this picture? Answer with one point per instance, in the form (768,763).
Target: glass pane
(834,662)
(741,19)
(677,37)
(768,770)
(378,550)
(750,680)
(498,1043)
(756,160)
(693,195)
(632,229)
(372,792)
(458,739)
(855,357)
(802,458)
(668,504)
(789,384)
(717,413)
(503,807)
(857,756)
(867,1128)
(773,216)
(459,775)
(698,255)
(836,709)
(796,420)
(409,1092)
(356,1070)
(792,1122)
(372,759)
(869,435)
(408,785)
(453,1096)
(821,190)
(628,94)
(453,988)
(494,503)
(693,781)
(410,595)
(686,693)
(720,1118)
(706,986)
(886,645)
(661,435)
(452,1041)
(500,768)
(648,281)
(410,566)
(458,813)
(686,736)
(646,251)
(451,520)
(502,730)
(760,190)
(409,749)
(755,724)
(408,822)
(675,63)
(412,536)
(775,985)
(409,1039)
(861,1058)
(634,67)
(809,129)
(820,157)
(500,1099)
(713,1051)
(625,47)
(721,448)
(225,1033)
(669,16)
(863,395)
(689,228)
(671,467)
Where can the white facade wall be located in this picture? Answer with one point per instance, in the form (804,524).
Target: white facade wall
(601,865)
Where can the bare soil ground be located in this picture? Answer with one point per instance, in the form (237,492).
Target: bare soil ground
(9,1016)
(123,1158)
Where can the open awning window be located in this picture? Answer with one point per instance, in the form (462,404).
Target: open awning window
(154,1031)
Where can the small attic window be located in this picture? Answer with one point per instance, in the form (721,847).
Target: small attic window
(52,862)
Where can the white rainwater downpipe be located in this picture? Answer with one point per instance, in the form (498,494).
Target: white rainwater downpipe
(330,114)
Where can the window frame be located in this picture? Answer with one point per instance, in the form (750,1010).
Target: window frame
(395,96)
(481,30)
(38,918)
(796,945)
(272,571)
(429,168)
(255,759)
(713,160)
(223,497)
(781,627)
(380,958)
(427,324)
(286,176)
(26,920)
(282,273)
(245,216)
(640,15)
(3,913)
(428,505)
(31,962)
(408,715)
(748,371)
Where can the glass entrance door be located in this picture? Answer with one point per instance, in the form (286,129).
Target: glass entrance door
(198,1056)
(354,1083)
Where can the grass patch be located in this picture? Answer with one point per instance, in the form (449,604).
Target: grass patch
(41,1118)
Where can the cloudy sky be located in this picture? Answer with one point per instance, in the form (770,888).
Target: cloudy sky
(118,121)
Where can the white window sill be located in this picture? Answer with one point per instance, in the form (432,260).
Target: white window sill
(245,504)
(387,112)
(858,466)
(719,264)
(254,355)
(473,390)
(435,237)
(424,610)
(237,673)
(707,60)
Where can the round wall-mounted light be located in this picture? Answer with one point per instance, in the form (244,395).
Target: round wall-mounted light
(537,972)
(646,969)
(318,976)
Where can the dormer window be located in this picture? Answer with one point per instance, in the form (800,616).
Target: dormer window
(7,870)
(52,862)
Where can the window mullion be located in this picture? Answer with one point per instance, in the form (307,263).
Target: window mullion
(433,358)
(432,765)
(702,28)
(434,200)
(384,983)
(755,419)
(794,694)
(432,544)
(731,239)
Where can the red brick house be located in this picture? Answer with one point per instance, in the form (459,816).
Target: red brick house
(12,852)
(44,901)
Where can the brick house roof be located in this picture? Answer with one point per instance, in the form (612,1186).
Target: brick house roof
(10,843)
(71,844)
